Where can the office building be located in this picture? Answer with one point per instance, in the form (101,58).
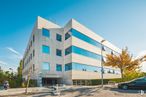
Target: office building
(68,55)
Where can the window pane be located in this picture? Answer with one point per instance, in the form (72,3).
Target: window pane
(68,66)
(82,67)
(68,50)
(58,37)
(45,32)
(85,38)
(33,67)
(84,52)
(67,35)
(45,49)
(85,67)
(33,38)
(33,53)
(45,66)
(58,52)
(77,50)
(58,67)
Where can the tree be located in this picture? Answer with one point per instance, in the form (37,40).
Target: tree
(124,61)
(15,79)
(143,58)
(19,69)
(19,74)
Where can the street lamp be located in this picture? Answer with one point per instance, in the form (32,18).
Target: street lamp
(102,62)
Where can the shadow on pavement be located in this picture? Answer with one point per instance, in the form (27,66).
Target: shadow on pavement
(83,91)
(123,91)
(42,95)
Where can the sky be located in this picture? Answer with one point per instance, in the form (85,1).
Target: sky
(122,22)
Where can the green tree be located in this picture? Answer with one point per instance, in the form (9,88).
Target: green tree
(19,73)
(15,79)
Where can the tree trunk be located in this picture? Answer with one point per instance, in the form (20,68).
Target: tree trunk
(122,75)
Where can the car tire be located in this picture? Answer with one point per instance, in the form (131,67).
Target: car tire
(124,87)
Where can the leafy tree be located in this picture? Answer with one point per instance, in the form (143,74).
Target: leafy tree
(143,58)
(19,69)
(19,75)
(15,79)
(124,61)
(129,75)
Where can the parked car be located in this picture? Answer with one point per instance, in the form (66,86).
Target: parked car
(139,83)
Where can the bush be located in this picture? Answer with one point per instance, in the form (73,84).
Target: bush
(32,83)
(98,81)
(127,77)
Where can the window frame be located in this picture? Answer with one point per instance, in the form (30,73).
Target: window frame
(45,32)
(59,37)
(44,51)
(58,53)
(45,63)
(57,68)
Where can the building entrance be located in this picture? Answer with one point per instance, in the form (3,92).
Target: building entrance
(50,81)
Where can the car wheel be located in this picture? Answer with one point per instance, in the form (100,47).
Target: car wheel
(125,87)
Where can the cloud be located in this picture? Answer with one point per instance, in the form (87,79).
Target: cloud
(6,67)
(141,54)
(15,52)
(2,62)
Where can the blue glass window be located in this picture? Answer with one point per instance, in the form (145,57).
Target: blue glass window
(68,50)
(86,53)
(58,67)
(58,37)
(80,51)
(85,38)
(33,38)
(45,32)
(67,35)
(68,66)
(45,49)
(33,67)
(45,66)
(82,67)
(33,53)
(58,52)
(85,67)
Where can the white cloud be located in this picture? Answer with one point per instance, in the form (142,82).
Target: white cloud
(2,62)
(5,66)
(143,64)
(141,54)
(15,52)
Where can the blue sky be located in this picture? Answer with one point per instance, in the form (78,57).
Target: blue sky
(122,22)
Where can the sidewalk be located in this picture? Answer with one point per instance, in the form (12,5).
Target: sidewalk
(16,91)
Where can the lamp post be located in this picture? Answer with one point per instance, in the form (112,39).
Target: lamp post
(102,62)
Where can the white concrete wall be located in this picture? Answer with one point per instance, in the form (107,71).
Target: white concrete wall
(87,60)
(37,46)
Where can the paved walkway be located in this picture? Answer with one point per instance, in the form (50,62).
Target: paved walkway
(74,91)
(17,91)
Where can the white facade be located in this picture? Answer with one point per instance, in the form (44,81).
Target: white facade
(76,63)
